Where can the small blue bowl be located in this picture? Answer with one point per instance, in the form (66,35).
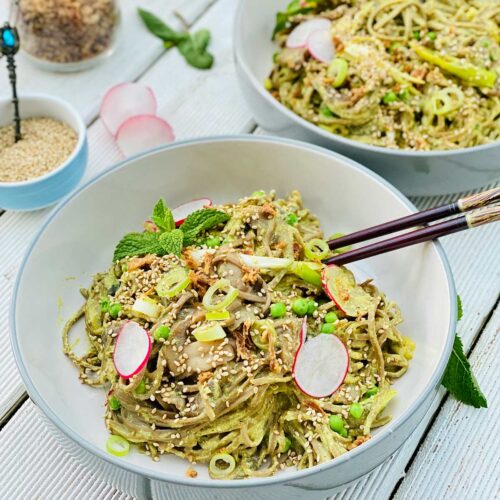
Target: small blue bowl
(48,189)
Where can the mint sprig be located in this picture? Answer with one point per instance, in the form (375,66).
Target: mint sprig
(168,240)
(162,217)
(200,221)
(458,377)
(192,47)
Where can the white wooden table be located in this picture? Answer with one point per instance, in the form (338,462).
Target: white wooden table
(451,455)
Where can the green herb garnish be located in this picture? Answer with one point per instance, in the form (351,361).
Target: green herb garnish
(168,240)
(192,47)
(458,377)
(200,221)
(162,217)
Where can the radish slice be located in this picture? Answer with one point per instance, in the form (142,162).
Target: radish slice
(299,35)
(132,349)
(124,101)
(182,211)
(321,365)
(320,45)
(143,132)
(340,285)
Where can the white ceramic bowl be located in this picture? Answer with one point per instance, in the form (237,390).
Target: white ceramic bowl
(78,240)
(415,173)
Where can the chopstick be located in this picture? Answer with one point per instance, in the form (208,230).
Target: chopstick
(477,200)
(466,221)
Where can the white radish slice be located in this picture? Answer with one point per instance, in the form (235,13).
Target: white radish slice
(320,45)
(260,262)
(124,101)
(321,365)
(181,212)
(143,132)
(132,349)
(299,35)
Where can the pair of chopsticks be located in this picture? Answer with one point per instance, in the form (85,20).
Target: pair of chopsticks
(481,208)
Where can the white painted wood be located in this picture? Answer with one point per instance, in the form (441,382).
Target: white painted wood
(459,458)
(136,52)
(205,103)
(34,465)
(189,12)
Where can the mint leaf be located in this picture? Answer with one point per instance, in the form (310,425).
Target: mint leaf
(460,311)
(196,57)
(162,217)
(134,244)
(459,379)
(172,242)
(200,221)
(201,39)
(156,26)
(193,48)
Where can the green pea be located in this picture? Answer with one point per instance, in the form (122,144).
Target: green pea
(485,44)
(114,403)
(431,35)
(331,317)
(336,423)
(288,444)
(162,332)
(371,392)
(258,194)
(291,219)
(300,306)
(389,97)
(404,94)
(104,305)
(416,35)
(268,84)
(356,410)
(327,328)
(213,241)
(114,310)
(326,111)
(141,388)
(278,310)
(311,307)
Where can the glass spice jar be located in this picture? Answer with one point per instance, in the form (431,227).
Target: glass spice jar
(68,35)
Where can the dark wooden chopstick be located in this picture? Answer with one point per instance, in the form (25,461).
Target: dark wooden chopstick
(466,221)
(430,215)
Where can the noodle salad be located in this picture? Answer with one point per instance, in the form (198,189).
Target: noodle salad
(222,338)
(410,74)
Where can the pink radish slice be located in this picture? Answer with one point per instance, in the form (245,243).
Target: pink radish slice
(302,339)
(132,349)
(320,45)
(182,211)
(143,132)
(321,365)
(125,100)
(299,35)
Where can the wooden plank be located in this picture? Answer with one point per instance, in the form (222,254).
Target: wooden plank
(459,457)
(34,465)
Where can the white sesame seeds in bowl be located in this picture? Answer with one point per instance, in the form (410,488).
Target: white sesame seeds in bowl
(49,160)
